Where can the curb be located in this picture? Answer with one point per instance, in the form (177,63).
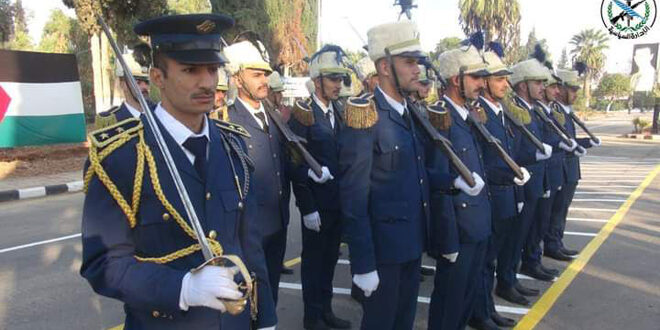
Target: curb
(35,192)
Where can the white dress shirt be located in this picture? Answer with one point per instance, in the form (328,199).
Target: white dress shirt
(325,109)
(179,131)
(398,107)
(254,112)
(134,112)
(461,111)
(496,108)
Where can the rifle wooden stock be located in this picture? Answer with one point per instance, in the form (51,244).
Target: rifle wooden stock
(496,144)
(583,126)
(529,135)
(445,146)
(294,140)
(560,131)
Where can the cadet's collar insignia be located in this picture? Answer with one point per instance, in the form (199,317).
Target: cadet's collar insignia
(231,127)
(205,27)
(107,135)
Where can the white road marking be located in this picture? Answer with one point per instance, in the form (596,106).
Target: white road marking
(591,209)
(19,247)
(575,233)
(588,220)
(600,200)
(602,193)
(31,192)
(420,299)
(631,187)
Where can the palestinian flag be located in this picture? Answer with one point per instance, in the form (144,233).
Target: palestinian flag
(40,99)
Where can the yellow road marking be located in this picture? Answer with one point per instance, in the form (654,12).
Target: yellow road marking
(292,262)
(543,305)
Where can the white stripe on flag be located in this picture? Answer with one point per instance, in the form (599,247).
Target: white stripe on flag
(49,99)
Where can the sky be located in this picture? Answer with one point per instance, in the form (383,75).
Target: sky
(556,21)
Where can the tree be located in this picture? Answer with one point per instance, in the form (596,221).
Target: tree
(287,27)
(6,22)
(563,60)
(522,53)
(612,87)
(444,45)
(499,20)
(589,46)
(56,35)
(188,6)
(21,39)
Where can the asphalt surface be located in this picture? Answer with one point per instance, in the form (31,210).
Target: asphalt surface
(620,288)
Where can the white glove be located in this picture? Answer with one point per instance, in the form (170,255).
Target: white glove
(451,257)
(580,152)
(568,148)
(325,175)
(312,221)
(207,286)
(595,143)
(367,282)
(520,206)
(269,328)
(526,176)
(546,194)
(472,191)
(546,154)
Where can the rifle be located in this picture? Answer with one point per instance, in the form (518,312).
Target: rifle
(583,126)
(234,307)
(495,143)
(445,146)
(522,128)
(293,139)
(560,131)
(623,13)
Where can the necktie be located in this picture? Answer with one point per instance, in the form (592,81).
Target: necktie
(406,116)
(197,146)
(328,115)
(262,117)
(500,115)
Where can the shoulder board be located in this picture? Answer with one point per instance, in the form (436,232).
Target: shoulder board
(479,111)
(439,116)
(511,106)
(302,112)
(106,118)
(360,112)
(109,134)
(231,127)
(558,114)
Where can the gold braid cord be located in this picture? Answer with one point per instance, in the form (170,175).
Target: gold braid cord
(439,116)
(559,115)
(302,112)
(360,113)
(516,111)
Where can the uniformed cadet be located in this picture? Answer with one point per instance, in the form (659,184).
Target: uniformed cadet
(456,276)
(266,147)
(220,105)
(502,185)
(527,80)
(384,187)
(320,123)
(138,244)
(367,70)
(424,88)
(553,245)
(275,97)
(130,107)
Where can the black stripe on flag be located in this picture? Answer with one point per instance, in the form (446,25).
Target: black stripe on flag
(32,67)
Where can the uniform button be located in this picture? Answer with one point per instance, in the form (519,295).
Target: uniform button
(213,234)
(155,314)
(425,204)
(274,155)
(464,149)
(280,192)
(240,205)
(278,173)
(421,181)
(396,147)
(464,205)
(419,157)
(166,216)
(250,146)
(208,196)
(270,136)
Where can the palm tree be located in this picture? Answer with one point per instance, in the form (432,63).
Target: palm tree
(500,20)
(589,46)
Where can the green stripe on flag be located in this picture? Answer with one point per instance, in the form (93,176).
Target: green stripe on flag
(17,131)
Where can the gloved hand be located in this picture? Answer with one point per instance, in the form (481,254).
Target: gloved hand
(520,206)
(580,152)
(526,177)
(207,286)
(595,143)
(367,282)
(568,148)
(459,183)
(544,155)
(546,194)
(312,221)
(451,257)
(325,175)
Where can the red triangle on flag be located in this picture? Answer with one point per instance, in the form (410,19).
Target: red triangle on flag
(4,103)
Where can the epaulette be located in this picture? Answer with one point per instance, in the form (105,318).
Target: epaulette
(558,113)
(106,118)
(231,127)
(302,112)
(125,129)
(478,111)
(220,114)
(439,116)
(511,107)
(360,112)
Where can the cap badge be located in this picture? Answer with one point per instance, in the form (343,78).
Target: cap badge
(205,27)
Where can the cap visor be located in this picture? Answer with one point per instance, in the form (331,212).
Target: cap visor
(198,57)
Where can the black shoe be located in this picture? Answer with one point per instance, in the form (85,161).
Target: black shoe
(427,271)
(315,325)
(502,321)
(483,324)
(286,270)
(549,271)
(537,273)
(557,255)
(334,322)
(569,252)
(511,295)
(525,291)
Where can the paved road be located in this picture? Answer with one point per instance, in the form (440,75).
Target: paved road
(40,256)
